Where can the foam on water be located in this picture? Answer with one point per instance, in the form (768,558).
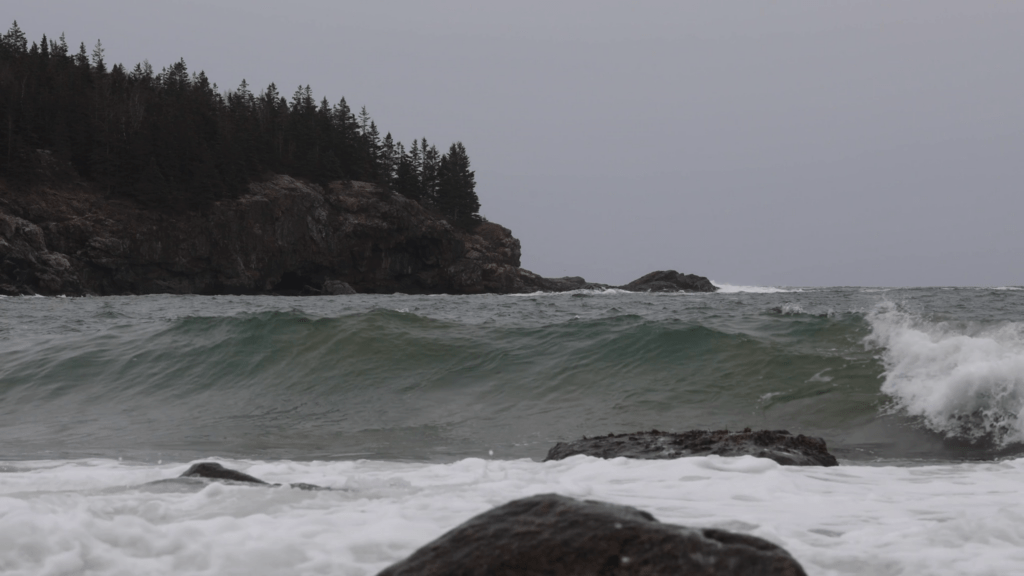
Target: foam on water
(963,380)
(724,288)
(99,516)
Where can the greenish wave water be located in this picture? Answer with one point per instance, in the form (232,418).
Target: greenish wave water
(934,374)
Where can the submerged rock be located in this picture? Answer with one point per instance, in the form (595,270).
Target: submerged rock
(670,281)
(554,535)
(215,471)
(778,445)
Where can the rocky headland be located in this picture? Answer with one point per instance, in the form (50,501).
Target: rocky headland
(284,236)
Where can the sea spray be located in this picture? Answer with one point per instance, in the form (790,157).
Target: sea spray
(961,379)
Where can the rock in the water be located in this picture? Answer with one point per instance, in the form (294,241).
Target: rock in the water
(215,471)
(778,445)
(336,288)
(554,535)
(670,281)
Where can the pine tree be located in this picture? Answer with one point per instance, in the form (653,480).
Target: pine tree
(15,41)
(97,58)
(60,49)
(389,157)
(407,178)
(429,168)
(82,58)
(456,192)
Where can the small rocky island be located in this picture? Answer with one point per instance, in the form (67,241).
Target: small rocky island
(285,236)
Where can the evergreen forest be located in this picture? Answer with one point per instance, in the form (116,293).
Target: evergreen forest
(174,141)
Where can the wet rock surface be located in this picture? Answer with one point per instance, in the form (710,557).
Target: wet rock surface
(555,535)
(777,445)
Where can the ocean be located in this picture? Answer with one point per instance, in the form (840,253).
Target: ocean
(423,411)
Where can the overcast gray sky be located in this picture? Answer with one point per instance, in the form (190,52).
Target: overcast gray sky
(801,143)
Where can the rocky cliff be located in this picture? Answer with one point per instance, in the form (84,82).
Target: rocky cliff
(283,237)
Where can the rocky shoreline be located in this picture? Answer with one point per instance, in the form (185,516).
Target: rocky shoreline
(285,236)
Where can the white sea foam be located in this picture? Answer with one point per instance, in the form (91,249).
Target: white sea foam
(586,291)
(963,381)
(791,309)
(724,288)
(96,517)
(1010,288)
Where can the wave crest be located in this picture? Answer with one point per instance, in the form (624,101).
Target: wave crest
(724,288)
(964,381)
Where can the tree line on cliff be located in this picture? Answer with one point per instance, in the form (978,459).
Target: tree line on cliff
(172,139)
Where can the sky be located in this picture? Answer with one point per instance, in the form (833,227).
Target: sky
(791,143)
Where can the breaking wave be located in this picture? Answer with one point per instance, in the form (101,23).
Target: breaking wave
(724,288)
(964,380)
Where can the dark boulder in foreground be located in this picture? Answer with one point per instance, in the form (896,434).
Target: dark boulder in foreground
(778,445)
(670,281)
(215,471)
(554,535)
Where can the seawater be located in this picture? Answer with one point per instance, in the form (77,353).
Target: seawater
(422,411)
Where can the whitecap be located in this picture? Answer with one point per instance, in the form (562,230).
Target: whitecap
(724,288)
(962,381)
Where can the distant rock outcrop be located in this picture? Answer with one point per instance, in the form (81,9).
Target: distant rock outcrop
(777,445)
(670,281)
(558,536)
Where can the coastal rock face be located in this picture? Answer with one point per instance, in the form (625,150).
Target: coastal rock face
(554,535)
(777,445)
(283,237)
(670,281)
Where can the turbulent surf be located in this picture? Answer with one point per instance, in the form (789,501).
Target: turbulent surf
(386,396)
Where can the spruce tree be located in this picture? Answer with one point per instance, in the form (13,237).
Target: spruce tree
(407,179)
(98,64)
(429,172)
(456,192)
(15,41)
(82,58)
